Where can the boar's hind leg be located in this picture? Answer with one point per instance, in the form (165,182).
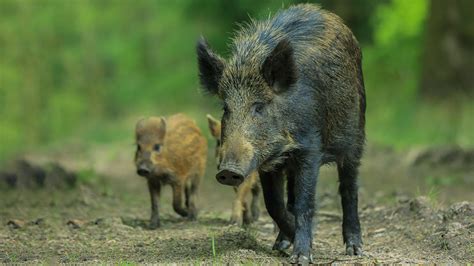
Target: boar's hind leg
(350,221)
(272,186)
(155,188)
(178,190)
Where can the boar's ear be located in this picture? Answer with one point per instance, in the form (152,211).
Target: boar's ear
(210,66)
(279,69)
(214,126)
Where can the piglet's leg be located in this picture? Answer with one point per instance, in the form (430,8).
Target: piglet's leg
(154,188)
(178,191)
(191,198)
(254,206)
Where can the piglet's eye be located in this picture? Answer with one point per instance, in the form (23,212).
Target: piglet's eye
(257,108)
(156,147)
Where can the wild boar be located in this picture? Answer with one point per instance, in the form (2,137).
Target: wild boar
(294,99)
(171,151)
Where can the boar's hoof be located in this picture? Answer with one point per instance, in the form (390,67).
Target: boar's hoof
(353,249)
(301,259)
(192,216)
(281,245)
(154,225)
(282,242)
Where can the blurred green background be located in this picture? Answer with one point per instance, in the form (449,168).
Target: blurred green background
(87,69)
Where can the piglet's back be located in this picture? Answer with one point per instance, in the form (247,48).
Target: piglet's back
(186,144)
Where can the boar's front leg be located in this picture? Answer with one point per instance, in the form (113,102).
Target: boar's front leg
(178,190)
(306,170)
(154,188)
(283,242)
(272,187)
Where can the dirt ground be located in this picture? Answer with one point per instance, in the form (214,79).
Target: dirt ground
(415,207)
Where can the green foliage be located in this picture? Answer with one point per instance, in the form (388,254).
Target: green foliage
(396,115)
(441,181)
(76,68)
(87,176)
(399,20)
(66,64)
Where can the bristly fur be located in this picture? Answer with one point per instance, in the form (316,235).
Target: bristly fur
(294,99)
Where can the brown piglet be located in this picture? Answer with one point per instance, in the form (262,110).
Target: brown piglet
(171,151)
(245,207)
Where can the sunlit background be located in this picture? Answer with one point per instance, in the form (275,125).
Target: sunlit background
(85,69)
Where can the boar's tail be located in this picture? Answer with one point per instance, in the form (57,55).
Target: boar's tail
(361,91)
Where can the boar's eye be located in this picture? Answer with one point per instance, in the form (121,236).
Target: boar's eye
(257,108)
(139,148)
(156,147)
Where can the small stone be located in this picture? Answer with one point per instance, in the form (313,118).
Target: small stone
(378,232)
(39,221)
(76,223)
(16,224)
(420,204)
(268,226)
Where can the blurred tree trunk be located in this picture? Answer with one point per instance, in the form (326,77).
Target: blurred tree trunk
(356,14)
(448,60)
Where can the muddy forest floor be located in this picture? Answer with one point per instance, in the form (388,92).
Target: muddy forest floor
(415,207)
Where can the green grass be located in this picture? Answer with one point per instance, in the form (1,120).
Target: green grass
(213,246)
(432,194)
(126,263)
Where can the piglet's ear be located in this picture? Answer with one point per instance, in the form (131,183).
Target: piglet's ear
(162,127)
(140,124)
(139,128)
(210,65)
(214,126)
(279,69)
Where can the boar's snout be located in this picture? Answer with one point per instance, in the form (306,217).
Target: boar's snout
(236,161)
(230,177)
(143,170)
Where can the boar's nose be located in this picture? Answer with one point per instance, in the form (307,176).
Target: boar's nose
(229,177)
(143,170)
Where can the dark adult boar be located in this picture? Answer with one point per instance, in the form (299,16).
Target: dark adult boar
(245,207)
(294,99)
(171,151)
